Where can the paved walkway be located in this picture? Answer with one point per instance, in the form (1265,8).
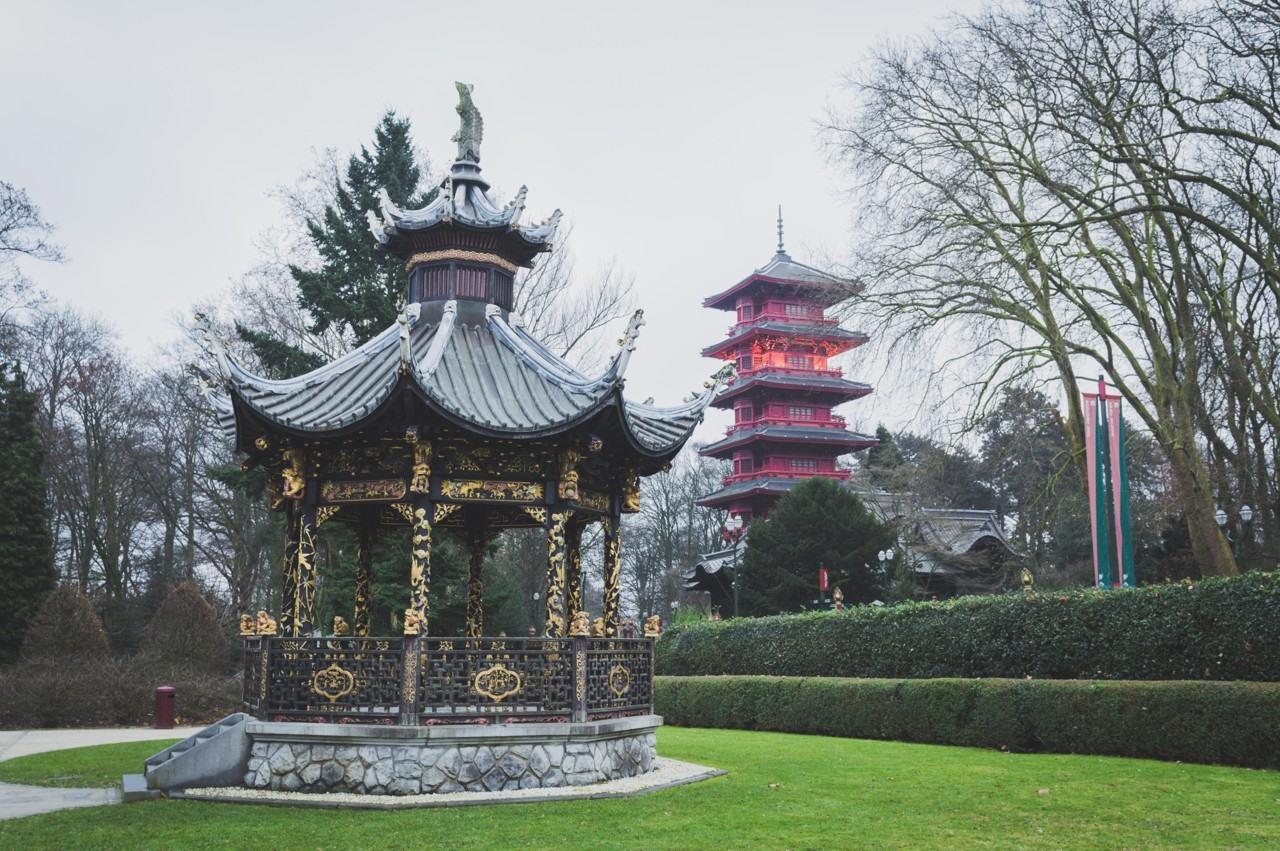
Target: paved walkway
(17,801)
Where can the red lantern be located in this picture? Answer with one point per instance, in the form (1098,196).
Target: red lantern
(822,579)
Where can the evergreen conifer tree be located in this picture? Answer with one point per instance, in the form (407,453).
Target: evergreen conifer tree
(357,288)
(820,523)
(884,462)
(27,573)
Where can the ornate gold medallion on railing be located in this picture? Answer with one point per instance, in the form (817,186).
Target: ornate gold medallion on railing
(619,680)
(333,683)
(497,682)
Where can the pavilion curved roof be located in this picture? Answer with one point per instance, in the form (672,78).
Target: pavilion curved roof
(473,364)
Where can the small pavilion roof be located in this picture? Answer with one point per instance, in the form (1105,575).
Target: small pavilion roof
(770,486)
(472,363)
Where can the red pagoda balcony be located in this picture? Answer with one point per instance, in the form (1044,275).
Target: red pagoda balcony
(836,422)
(778,316)
(790,370)
(783,472)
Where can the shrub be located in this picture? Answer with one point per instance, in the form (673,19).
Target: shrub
(185,631)
(1209,722)
(65,628)
(107,692)
(1216,629)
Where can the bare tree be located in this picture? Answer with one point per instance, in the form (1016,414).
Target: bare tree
(1031,190)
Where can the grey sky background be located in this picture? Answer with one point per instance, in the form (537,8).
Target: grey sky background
(152,135)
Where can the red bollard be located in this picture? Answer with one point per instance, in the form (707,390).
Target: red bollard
(166,701)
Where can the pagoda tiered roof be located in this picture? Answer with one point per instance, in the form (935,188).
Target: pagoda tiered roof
(831,338)
(822,439)
(470,363)
(786,274)
(795,383)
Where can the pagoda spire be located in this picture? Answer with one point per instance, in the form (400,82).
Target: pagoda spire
(781,249)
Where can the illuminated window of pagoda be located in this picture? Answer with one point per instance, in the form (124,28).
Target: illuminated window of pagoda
(744,363)
(799,361)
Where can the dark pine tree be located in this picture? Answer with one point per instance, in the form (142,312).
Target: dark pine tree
(884,462)
(357,288)
(27,574)
(820,523)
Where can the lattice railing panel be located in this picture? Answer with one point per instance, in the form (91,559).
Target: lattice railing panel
(480,678)
(619,677)
(352,679)
(251,684)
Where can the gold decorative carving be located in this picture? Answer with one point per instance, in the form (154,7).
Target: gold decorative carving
(305,597)
(568,488)
(573,568)
(631,493)
(324,512)
(594,500)
(262,444)
(362,490)
(475,587)
(412,623)
(619,680)
(597,628)
(419,567)
(497,682)
(461,254)
(491,490)
(291,474)
(443,510)
(247,625)
(266,625)
(580,686)
(405,510)
(652,626)
(536,512)
(556,554)
(612,602)
(340,625)
(580,625)
(364,580)
(421,480)
(333,683)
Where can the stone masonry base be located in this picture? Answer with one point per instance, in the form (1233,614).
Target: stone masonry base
(299,757)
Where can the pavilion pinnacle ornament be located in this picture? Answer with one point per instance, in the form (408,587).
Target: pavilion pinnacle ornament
(785,386)
(1109,520)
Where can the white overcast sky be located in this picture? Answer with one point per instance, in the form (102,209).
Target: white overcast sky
(153,134)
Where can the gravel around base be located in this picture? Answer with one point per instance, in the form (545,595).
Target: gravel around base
(667,773)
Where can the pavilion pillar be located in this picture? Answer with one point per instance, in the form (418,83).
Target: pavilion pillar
(289,569)
(364,578)
(475,585)
(304,597)
(557,556)
(420,521)
(573,584)
(612,576)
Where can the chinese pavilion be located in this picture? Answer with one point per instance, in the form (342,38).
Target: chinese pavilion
(456,417)
(782,343)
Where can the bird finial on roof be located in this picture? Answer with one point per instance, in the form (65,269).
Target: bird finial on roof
(781,249)
(471,125)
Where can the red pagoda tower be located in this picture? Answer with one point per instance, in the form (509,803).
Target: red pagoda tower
(782,343)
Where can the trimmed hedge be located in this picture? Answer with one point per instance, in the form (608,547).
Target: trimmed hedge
(1228,723)
(1215,629)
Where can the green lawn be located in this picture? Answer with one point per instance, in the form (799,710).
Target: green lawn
(783,791)
(98,766)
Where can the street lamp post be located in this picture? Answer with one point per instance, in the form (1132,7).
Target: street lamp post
(733,532)
(1246,517)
